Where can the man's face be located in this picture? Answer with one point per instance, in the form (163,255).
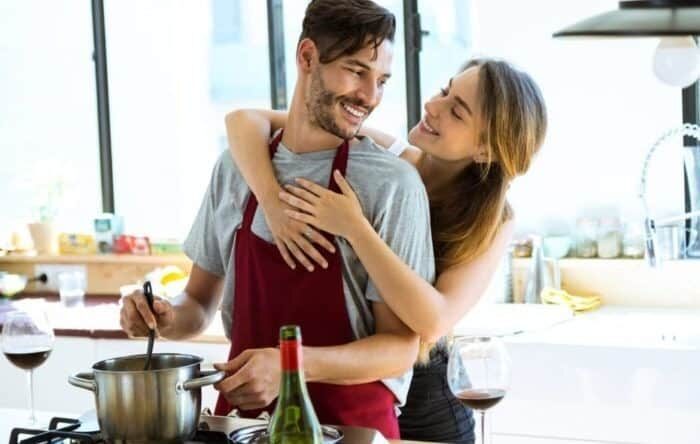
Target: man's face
(342,93)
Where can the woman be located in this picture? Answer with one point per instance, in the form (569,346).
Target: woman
(478,134)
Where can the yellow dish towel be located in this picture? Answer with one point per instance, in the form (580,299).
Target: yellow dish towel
(576,303)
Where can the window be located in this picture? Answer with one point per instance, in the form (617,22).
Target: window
(175,69)
(446,46)
(48,115)
(605,106)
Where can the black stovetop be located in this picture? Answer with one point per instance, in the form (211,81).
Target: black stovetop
(65,430)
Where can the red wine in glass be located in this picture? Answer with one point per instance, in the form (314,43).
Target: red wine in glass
(478,373)
(28,360)
(27,340)
(481,399)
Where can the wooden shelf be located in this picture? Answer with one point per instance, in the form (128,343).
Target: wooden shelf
(176,259)
(106,273)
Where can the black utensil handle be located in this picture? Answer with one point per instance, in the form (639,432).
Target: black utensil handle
(148,292)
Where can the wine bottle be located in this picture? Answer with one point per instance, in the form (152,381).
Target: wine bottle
(294,420)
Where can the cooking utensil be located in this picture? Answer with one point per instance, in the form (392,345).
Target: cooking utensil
(257,434)
(148,292)
(157,405)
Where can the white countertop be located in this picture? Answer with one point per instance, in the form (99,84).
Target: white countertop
(625,327)
(608,326)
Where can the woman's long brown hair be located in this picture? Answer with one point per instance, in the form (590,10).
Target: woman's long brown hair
(467,213)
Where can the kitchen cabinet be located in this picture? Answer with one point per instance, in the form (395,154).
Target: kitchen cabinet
(601,394)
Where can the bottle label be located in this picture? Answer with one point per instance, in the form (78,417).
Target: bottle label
(290,351)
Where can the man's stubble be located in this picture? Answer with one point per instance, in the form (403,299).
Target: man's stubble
(319,104)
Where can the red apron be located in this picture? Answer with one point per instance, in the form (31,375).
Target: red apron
(269,294)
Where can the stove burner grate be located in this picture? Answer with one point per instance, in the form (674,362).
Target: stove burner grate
(66,430)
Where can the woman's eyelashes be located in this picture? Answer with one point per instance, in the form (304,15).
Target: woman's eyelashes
(444,92)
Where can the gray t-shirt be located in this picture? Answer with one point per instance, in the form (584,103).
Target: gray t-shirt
(392,197)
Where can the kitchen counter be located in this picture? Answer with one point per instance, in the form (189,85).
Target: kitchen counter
(608,326)
(617,374)
(623,327)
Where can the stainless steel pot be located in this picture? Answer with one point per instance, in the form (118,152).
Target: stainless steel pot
(157,405)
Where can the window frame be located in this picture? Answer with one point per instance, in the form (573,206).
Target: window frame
(413,35)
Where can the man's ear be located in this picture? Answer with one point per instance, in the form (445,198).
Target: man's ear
(307,55)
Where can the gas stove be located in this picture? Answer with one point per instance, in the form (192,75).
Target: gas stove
(211,430)
(85,430)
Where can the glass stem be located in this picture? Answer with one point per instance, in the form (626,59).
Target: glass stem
(483,424)
(30,383)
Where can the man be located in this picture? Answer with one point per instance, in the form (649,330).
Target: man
(358,354)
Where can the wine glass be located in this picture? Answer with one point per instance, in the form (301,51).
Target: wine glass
(27,341)
(478,373)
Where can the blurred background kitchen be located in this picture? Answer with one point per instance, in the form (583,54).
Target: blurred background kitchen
(112,116)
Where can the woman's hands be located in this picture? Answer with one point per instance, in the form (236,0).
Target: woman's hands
(314,205)
(294,239)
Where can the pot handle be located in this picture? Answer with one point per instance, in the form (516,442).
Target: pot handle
(83,380)
(206,377)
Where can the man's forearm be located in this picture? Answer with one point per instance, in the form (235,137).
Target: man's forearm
(380,356)
(191,318)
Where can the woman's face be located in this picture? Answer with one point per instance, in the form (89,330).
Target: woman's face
(450,127)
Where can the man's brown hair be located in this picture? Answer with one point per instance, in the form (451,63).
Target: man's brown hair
(343,27)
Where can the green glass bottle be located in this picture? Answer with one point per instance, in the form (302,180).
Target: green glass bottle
(294,420)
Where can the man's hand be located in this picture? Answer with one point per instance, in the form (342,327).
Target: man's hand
(136,318)
(254,378)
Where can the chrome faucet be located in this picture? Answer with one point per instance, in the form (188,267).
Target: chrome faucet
(650,224)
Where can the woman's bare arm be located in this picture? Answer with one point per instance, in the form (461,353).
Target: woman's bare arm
(380,137)
(429,311)
(248,133)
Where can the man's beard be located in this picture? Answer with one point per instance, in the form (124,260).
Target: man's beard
(320,103)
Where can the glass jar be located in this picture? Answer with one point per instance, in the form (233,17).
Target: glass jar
(586,245)
(522,247)
(609,239)
(633,240)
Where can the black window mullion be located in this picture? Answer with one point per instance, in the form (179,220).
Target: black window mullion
(412,43)
(275,33)
(100,59)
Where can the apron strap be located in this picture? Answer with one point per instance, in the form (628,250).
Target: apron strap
(340,163)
